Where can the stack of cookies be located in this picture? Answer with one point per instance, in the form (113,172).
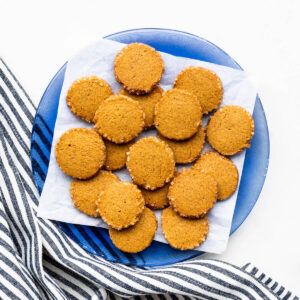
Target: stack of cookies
(91,156)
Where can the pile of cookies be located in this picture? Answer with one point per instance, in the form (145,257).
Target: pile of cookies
(90,156)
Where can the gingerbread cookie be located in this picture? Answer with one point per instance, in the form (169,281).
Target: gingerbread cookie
(222,169)
(119,119)
(188,150)
(116,155)
(150,163)
(85,193)
(192,193)
(204,84)
(158,199)
(86,94)
(183,233)
(147,103)
(230,129)
(80,153)
(137,237)
(120,204)
(138,67)
(178,115)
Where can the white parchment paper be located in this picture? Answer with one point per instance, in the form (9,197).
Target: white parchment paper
(97,59)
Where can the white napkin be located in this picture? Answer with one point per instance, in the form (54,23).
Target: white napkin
(97,59)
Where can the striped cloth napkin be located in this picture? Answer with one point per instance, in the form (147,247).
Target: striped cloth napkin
(38,261)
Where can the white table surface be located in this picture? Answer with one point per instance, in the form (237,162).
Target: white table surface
(37,37)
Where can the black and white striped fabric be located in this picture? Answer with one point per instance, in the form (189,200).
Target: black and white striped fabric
(38,261)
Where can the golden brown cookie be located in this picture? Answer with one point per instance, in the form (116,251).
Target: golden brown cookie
(178,115)
(80,153)
(188,150)
(138,67)
(120,204)
(119,119)
(183,233)
(147,103)
(230,129)
(204,84)
(157,199)
(85,193)
(192,193)
(137,237)
(116,155)
(222,169)
(86,94)
(150,163)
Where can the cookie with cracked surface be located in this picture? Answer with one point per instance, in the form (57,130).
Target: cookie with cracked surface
(230,129)
(188,150)
(85,95)
(137,237)
(147,103)
(177,115)
(183,233)
(120,204)
(119,119)
(80,153)
(150,163)
(192,193)
(116,155)
(138,67)
(204,84)
(85,193)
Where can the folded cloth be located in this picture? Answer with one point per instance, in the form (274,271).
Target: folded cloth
(39,261)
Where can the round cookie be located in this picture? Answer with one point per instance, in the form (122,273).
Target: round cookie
(138,67)
(137,237)
(177,115)
(222,169)
(183,233)
(192,193)
(230,129)
(204,84)
(85,193)
(147,103)
(150,163)
(116,155)
(119,119)
(188,150)
(80,153)
(85,95)
(120,204)
(157,199)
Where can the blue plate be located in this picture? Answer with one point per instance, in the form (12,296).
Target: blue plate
(96,240)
